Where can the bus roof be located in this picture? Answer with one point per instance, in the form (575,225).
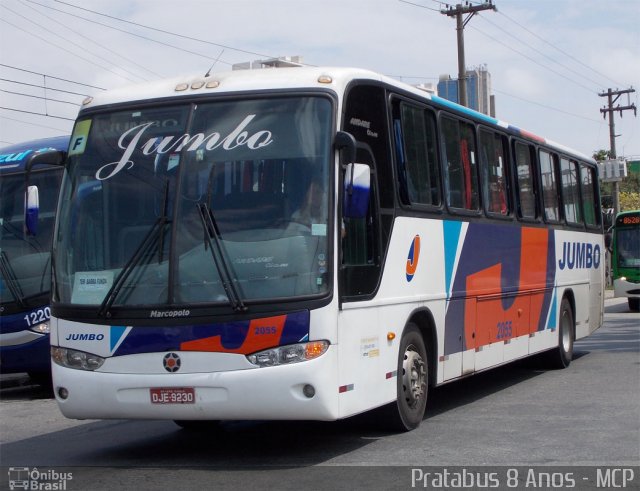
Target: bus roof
(333,78)
(14,157)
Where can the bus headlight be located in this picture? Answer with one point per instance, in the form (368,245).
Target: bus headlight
(42,328)
(292,353)
(71,358)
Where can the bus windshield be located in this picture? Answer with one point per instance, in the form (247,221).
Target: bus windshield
(628,246)
(25,273)
(220,202)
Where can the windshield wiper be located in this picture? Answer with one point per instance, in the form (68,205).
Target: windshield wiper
(153,236)
(11,279)
(220,257)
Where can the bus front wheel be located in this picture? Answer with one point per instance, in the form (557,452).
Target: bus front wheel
(407,411)
(198,424)
(634,304)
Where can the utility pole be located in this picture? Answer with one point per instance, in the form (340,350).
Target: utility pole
(458,11)
(609,94)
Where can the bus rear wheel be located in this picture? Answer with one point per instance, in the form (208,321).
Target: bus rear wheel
(407,411)
(634,304)
(561,356)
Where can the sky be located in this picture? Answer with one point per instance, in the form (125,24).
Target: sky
(549,59)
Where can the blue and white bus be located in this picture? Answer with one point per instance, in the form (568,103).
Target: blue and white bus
(309,243)
(29,187)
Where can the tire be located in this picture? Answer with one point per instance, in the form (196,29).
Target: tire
(561,356)
(41,378)
(634,304)
(407,411)
(198,424)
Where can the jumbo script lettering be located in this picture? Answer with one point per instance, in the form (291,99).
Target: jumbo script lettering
(579,255)
(238,137)
(84,337)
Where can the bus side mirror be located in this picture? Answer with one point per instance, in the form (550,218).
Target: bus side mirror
(357,186)
(32,208)
(607,241)
(346,143)
(47,157)
(31,198)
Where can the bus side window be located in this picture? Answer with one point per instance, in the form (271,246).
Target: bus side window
(550,194)
(416,153)
(359,237)
(589,202)
(526,184)
(494,176)
(461,169)
(570,191)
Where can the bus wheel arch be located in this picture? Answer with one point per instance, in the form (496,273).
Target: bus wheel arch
(415,373)
(423,319)
(561,356)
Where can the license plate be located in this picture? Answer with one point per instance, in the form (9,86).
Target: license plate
(173,395)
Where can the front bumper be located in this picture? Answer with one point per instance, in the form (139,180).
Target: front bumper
(625,288)
(30,356)
(245,394)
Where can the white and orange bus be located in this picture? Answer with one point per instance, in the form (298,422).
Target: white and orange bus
(309,243)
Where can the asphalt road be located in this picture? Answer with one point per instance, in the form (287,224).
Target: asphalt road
(517,416)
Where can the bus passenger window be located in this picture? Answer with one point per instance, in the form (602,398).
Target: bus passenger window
(591,213)
(416,151)
(494,177)
(461,173)
(570,191)
(549,186)
(526,185)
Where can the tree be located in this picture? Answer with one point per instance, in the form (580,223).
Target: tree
(601,155)
(629,201)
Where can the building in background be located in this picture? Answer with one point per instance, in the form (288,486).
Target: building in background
(478,90)
(281,62)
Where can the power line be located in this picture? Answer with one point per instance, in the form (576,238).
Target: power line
(528,57)
(401,77)
(44,28)
(130,33)
(64,49)
(610,111)
(37,114)
(42,87)
(419,5)
(164,31)
(559,49)
(51,76)
(539,52)
(533,60)
(461,23)
(133,62)
(32,124)
(39,97)
(548,107)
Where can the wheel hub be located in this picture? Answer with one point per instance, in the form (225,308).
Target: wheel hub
(413,377)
